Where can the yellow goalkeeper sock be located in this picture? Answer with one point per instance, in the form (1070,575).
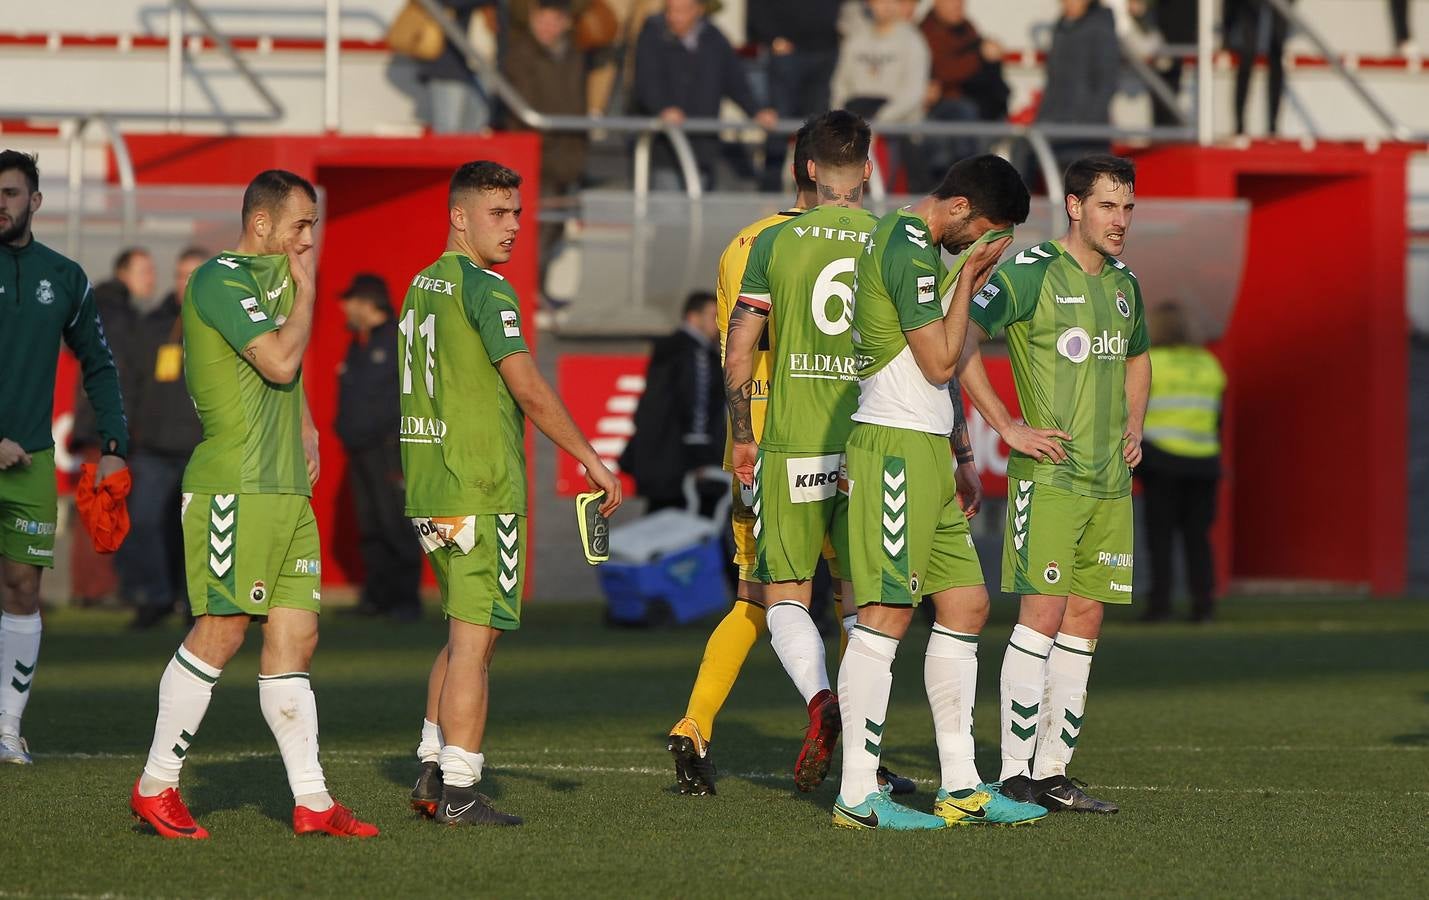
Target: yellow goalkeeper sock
(724,656)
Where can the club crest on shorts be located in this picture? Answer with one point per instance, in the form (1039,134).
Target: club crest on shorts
(1052,574)
(259,592)
(913,585)
(1122,306)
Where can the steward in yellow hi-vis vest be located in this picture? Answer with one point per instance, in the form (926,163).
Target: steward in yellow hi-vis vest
(1181,467)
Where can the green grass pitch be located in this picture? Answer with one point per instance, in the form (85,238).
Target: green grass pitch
(1283,751)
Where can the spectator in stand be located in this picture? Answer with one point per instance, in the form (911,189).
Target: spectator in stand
(679,424)
(368,413)
(966,83)
(800,40)
(1176,20)
(1249,25)
(684,67)
(1181,463)
(1403,40)
(882,73)
(459,101)
(546,68)
(93,576)
(163,432)
(1083,71)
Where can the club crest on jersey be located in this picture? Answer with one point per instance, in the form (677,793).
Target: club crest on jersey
(45,294)
(1052,574)
(1122,306)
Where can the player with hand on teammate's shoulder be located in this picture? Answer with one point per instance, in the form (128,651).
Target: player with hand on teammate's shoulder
(467,385)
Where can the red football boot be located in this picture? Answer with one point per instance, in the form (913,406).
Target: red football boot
(819,741)
(337,820)
(166,813)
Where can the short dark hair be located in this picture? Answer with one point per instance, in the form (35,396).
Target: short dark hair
(802,181)
(838,138)
(269,189)
(992,187)
(27,163)
(1081,176)
(482,175)
(126,256)
(697,301)
(194,251)
(371,287)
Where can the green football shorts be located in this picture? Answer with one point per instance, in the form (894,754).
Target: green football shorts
(480,564)
(798,502)
(1059,543)
(908,536)
(28,509)
(247,553)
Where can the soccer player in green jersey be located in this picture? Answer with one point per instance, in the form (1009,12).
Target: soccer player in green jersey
(799,281)
(468,382)
(1076,335)
(909,503)
(250,540)
(44,298)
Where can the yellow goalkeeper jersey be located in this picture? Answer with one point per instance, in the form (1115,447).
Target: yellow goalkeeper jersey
(731,273)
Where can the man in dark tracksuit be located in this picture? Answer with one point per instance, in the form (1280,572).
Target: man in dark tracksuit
(165,432)
(368,419)
(43,297)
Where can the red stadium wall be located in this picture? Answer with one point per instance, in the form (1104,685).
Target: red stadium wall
(1317,356)
(385,213)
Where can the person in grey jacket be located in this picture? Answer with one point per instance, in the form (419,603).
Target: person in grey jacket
(1083,70)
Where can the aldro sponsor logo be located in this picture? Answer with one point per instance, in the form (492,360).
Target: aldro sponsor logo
(422,430)
(1077,345)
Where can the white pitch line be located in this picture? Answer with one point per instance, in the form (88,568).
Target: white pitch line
(526,766)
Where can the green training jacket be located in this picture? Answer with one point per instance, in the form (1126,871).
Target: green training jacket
(45,297)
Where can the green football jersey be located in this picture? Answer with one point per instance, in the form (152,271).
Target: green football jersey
(801,271)
(463,435)
(899,288)
(1068,337)
(252,428)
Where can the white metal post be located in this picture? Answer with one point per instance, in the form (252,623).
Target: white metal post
(332,81)
(176,65)
(1205,72)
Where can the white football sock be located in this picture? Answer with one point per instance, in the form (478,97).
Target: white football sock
(460,768)
(950,677)
(184,692)
(1024,676)
(849,621)
(797,643)
(291,711)
(19,653)
(431,746)
(1068,667)
(865,679)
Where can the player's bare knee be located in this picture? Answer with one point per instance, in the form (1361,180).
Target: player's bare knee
(1042,614)
(890,620)
(216,639)
(1083,617)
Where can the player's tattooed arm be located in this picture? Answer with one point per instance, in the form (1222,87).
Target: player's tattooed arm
(742,338)
(830,196)
(962,445)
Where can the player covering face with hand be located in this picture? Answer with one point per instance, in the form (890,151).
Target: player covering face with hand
(250,540)
(913,485)
(467,385)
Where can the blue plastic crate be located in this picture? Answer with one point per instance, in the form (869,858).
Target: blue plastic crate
(682,586)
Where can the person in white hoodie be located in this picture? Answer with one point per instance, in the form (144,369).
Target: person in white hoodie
(883,69)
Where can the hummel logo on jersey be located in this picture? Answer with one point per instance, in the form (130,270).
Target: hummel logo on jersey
(1079,298)
(435,285)
(1120,588)
(276,292)
(916,236)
